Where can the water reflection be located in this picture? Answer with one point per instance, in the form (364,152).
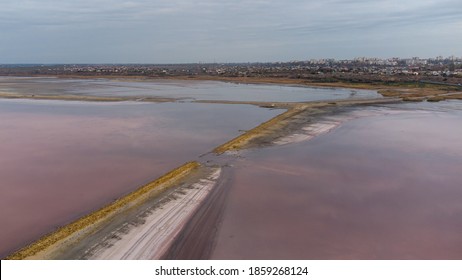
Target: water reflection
(60,160)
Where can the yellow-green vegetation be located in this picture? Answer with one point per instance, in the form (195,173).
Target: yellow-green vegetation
(268,127)
(240,141)
(413,92)
(407,91)
(454,96)
(372,85)
(421,92)
(413,99)
(444,97)
(430,98)
(436,98)
(93,219)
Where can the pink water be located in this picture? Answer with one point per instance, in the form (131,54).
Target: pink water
(382,187)
(60,160)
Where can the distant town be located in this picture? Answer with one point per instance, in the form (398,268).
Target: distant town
(362,69)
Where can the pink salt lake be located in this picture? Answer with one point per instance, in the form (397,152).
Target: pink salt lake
(60,160)
(379,187)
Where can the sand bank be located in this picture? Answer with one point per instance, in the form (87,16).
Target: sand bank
(293,119)
(152,237)
(326,123)
(51,244)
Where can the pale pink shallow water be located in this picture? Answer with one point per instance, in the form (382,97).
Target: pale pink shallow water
(383,187)
(199,90)
(60,160)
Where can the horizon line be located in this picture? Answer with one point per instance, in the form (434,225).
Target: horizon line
(202,62)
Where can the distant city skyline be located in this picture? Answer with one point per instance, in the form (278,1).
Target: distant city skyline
(184,31)
(414,59)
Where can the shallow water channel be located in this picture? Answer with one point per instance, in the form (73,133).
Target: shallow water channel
(177,89)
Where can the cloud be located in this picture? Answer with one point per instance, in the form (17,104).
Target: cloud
(239,30)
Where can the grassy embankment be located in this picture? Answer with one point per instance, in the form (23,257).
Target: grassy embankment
(298,112)
(87,224)
(242,140)
(420,92)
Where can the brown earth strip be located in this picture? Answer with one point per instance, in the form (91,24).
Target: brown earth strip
(195,241)
(274,128)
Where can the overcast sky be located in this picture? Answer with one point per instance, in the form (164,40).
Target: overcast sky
(176,31)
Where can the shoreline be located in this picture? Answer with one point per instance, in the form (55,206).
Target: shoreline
(65,97)
(275,128)
(149,231)
(414,91)
(47,245)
